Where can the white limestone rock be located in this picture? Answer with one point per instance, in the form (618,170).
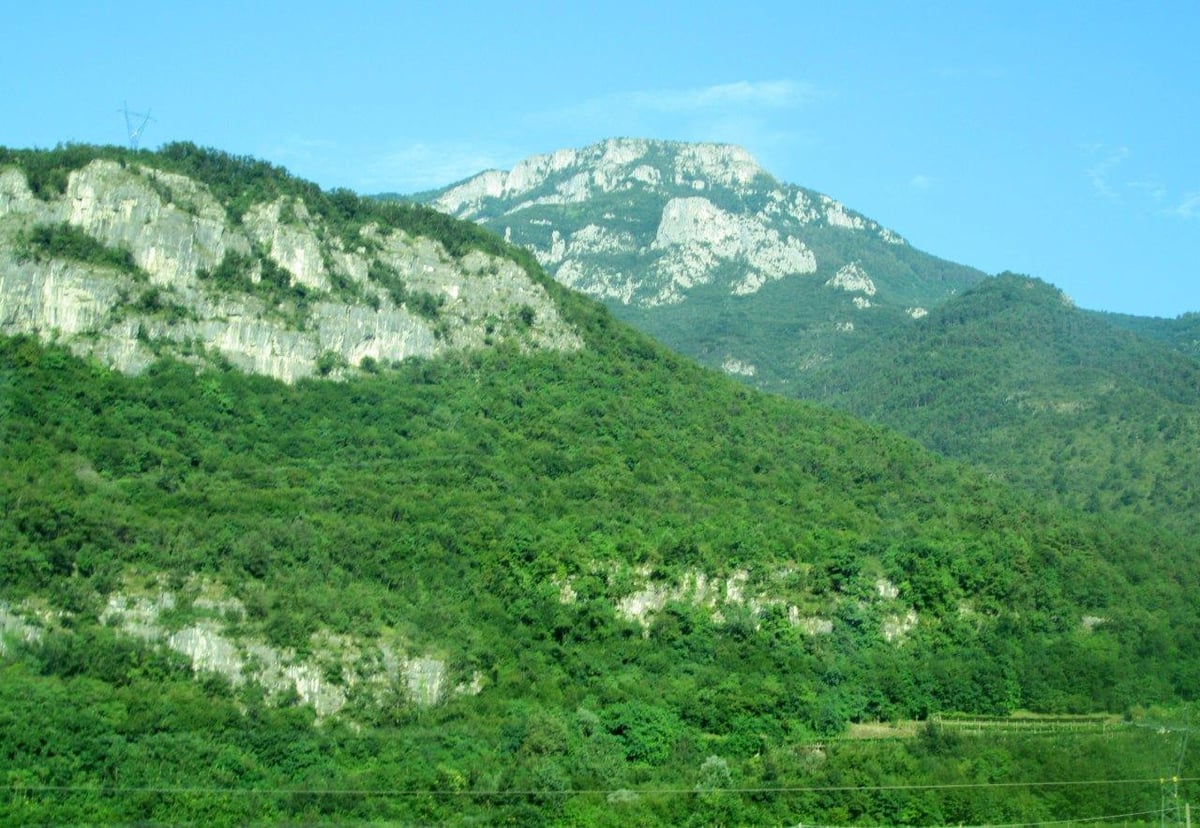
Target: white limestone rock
(16,627)
(175,231)
(212,647)
(896,627)
(853,279)
(738,368)
(292,244)
(126,207)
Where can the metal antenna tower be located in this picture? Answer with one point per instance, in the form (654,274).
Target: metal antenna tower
(141,118)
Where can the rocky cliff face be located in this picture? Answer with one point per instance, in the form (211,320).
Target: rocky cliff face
(660,219)
(701,247)
(302,300)
(200,622)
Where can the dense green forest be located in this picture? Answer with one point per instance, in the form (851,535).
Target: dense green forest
(1181,333)
(447,500)
(497,510)
(1059,401)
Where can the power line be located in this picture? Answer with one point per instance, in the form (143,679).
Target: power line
(1074,821)
(400,792)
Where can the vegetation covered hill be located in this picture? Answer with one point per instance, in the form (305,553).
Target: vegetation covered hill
(597,585)
(501,516)
(1014,379)
(1095,411)
(1181,333)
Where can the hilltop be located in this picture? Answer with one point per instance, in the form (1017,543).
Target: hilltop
(702,248)
(1012,377)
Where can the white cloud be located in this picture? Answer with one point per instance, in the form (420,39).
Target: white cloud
(754,114)
(1189,207)
(920,181)
(972,72)
(1099,172)
(298,151)
(1148,188)
(646,111)
(1138,189)
(743,94)
(402,169)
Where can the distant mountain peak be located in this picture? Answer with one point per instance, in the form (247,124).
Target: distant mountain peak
(662,230)
(674,214)
(616,163)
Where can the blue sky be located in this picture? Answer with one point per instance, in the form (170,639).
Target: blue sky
(1060,140)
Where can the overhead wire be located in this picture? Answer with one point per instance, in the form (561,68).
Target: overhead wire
(398,792)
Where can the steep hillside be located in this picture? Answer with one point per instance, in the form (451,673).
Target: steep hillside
(195,253)
(593,584)
(1013,378)
(699,246)
(517,573)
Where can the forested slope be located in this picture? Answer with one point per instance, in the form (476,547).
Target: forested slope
(1181,333)
(1015,380)
(510,583)
(499,514)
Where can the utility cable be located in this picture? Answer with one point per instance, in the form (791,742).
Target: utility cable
(397,792)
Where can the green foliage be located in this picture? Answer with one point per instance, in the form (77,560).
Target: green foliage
(647,732)
(274,285)
(421,302)
(66,241)
(329,361)
(389,279)
(447,495)
(156,302)
(48,171)
(425,304)
(1058,401)
(160,748)
(1181,333)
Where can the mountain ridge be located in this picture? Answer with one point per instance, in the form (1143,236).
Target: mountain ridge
(672,235)
(839,336)
(1014,379)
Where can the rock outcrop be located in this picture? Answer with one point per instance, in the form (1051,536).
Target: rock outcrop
(700,247)
(663,218)
(335,667)
(327,314)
